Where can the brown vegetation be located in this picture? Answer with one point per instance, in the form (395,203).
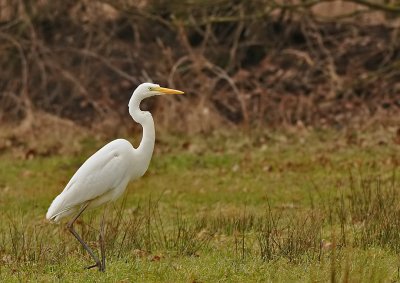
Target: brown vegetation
(251,63)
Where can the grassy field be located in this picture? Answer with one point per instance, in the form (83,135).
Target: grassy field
(271,208)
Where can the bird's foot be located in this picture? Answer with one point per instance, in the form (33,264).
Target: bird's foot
(97,264)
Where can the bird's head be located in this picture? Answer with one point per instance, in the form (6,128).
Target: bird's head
(143,91)
(146,90)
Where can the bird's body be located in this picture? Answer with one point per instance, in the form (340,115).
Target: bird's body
(104,176)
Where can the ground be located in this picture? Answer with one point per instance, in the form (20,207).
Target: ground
(314,206)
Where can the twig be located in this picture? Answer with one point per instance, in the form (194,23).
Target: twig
(107,63)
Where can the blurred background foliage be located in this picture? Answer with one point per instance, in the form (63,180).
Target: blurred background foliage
(68,65)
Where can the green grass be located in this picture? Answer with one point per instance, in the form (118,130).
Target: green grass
(270,208)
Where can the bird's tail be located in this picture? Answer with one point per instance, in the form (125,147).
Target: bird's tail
(58,209)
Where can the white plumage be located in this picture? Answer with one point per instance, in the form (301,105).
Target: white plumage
(104,176)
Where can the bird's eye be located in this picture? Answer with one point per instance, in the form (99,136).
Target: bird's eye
(150,88)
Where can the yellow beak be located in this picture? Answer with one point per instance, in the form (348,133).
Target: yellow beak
(167,90)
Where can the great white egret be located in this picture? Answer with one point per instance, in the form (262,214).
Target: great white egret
(104,176)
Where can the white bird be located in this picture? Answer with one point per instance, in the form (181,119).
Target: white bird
(104,176)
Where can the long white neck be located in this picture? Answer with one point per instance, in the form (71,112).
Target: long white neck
(144,118)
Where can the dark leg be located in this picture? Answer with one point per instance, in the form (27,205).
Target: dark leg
(102,242)
(70,227)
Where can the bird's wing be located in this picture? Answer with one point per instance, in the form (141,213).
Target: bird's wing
(105,170)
